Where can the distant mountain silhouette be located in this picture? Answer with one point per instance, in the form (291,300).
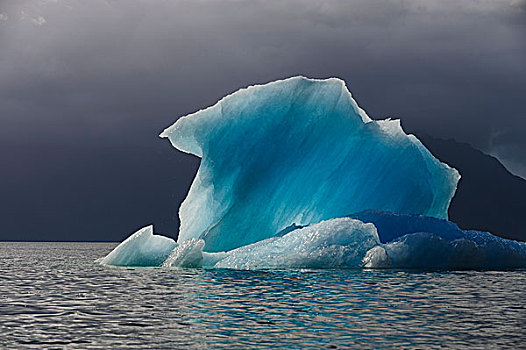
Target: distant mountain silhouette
(488,198)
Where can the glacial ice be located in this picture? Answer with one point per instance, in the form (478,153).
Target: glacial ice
(299,151)
(188,254)
(142,248)
(336,243)
(424,250)
(284,165)
(415,241)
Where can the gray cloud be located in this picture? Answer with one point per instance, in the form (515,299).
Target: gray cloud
(88,76)
(454,68)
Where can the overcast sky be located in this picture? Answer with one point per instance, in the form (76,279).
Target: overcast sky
(86,86)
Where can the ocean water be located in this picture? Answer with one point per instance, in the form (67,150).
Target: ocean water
(53,295)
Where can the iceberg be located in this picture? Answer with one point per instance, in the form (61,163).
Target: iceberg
(296,152)
(142,248)
(283,167)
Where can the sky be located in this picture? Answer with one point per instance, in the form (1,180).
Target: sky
(87,86)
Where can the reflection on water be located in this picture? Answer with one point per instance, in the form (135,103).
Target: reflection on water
(53,295)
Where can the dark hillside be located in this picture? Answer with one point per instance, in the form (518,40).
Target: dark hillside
(489,197)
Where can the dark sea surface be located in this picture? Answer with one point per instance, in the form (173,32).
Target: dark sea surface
(53,295)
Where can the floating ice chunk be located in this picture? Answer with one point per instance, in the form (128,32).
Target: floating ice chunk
(376,257)
(190,254)
(415,241)
(423,250)
(334,243)
(299,151)
(187,254)
(142,248)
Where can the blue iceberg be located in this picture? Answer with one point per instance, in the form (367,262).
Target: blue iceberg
(283,166)
(416,241)
(299,151)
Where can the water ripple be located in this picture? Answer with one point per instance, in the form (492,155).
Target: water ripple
(52,295)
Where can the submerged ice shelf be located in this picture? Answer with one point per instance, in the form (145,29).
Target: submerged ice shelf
(283,164)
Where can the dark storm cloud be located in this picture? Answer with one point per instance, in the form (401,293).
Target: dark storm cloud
(87,85)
